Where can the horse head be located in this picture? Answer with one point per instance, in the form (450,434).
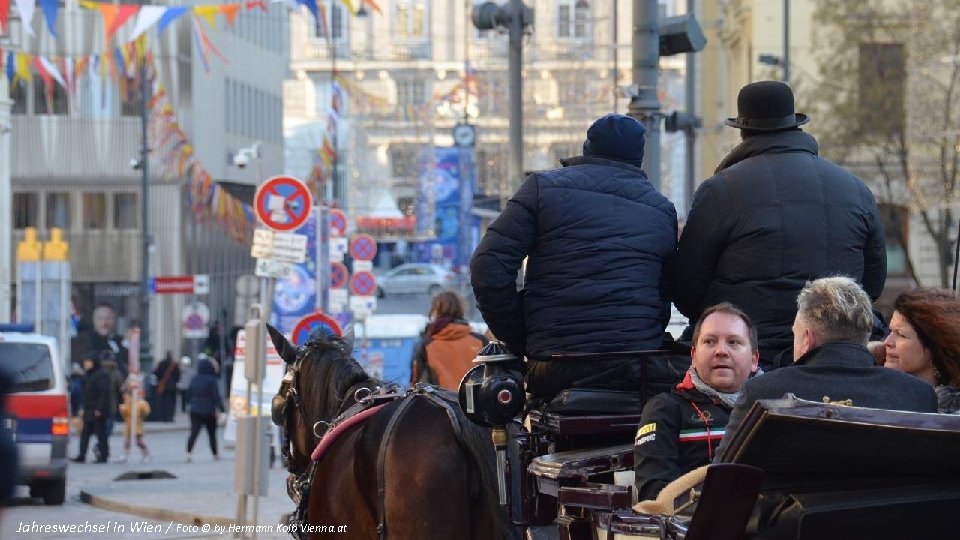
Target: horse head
(320,377)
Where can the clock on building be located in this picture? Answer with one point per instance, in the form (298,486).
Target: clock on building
(464,134)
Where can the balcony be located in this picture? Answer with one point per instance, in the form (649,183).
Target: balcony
(61,147)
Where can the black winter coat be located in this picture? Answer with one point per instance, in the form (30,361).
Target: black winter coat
(205,390)
(600,241)
(836,371)
(679,431)
(96,394)
(774,216)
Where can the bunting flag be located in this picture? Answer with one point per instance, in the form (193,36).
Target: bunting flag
(262,4)
(172,14)
(311,6)
(26,8)
(373,5)
(22,68)
(4,15)
(230,13)
(204,59)
(51,69)
(147,17)
(49,8)
(209,13)
(113,16)
(349,4)
(11,67)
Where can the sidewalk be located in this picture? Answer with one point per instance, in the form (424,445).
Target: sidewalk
(201,492)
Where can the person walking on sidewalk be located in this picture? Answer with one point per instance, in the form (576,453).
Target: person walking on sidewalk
(167,374)
(126,409)
(96,408)
(205,403)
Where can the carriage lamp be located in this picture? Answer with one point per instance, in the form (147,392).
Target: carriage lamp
(492,395)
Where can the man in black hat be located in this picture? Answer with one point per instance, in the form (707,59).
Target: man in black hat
(599,241)
(774,216)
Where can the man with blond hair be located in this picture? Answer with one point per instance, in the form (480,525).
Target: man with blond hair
(831,362)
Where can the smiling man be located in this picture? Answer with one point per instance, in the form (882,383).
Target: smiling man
(680,430)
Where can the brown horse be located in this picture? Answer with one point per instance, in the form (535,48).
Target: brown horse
(414,468)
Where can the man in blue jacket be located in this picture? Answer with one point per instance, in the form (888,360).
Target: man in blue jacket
(599,241)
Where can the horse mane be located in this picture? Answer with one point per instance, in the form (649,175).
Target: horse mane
(327,375)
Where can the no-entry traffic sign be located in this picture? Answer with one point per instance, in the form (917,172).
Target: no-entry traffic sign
(363,284)
(363,247)
(306,326)
(282,203)
(338,222)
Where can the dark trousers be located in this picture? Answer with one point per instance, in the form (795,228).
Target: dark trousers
(96,425)
(167,403)
(208,421)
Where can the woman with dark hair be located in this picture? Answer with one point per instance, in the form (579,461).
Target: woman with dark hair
(924,341)
(447,347)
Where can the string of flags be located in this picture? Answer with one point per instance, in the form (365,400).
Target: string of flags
(116,15)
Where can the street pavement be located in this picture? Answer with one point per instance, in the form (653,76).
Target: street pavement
(200,494)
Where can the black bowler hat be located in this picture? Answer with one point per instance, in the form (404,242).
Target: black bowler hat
(766,106)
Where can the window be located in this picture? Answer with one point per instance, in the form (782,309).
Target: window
(330,24)
(94,211)
(403,160)
(58,210)
(410,97)
(882,88)
(895,228)
(125,211)
(49,100)
(25,210)
(572,19)
(410,22)
(18,94)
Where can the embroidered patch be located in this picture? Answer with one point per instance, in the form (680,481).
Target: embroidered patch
(646,428)
(645,439)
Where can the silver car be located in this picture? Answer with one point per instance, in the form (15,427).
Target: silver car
(415,278)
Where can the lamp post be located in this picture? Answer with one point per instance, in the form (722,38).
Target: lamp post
(144,215)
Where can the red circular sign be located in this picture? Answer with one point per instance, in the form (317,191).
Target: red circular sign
(363,284)
(363,247)
(306,326)
(338,275)
(282,203)
(338,222)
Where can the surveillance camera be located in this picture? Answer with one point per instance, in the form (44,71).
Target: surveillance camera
(241,159)
(136,164)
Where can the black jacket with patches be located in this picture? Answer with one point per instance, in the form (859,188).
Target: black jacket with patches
(679,431)
(774,216)
(600,242)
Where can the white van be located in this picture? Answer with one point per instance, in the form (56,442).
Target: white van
(38,412)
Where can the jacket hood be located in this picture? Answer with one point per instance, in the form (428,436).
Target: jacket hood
(452,330)
(616,136)
(205,367)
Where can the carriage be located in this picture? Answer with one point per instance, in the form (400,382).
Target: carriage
(406,464)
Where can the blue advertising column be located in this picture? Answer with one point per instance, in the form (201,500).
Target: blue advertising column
(307,288)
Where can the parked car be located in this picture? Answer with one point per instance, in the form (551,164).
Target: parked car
(38,412)
(415,278)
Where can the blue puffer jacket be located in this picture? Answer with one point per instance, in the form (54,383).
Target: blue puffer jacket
(205,390)
(600,241)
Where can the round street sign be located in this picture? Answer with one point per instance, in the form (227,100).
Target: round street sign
(338,222)
(338,275)
(363,247)
(363,284)
(310,323)
(282,203)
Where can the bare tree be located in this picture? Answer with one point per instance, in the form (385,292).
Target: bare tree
(888,107)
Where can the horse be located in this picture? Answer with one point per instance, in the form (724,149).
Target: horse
(413,467)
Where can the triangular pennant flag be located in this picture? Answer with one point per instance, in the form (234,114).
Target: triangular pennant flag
(11,66)
(114,17)
(262,4)
(349,4)
(147,17)
(22,67)
(4,15)
(373,5)
(50,8)
(230,12)
(172,14)
(52,70)
(26,8)
(311,6)
(209,13)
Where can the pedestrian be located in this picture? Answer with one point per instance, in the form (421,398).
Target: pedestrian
(116,391)
(76,389)
(774,216)
(126,409)
(95,409)
(599,241)
(448,345)
(205,403)
(187,371)
(167,373)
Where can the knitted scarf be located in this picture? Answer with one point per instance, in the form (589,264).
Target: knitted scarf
(726,398)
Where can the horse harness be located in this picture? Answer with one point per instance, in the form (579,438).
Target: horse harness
(363,398)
